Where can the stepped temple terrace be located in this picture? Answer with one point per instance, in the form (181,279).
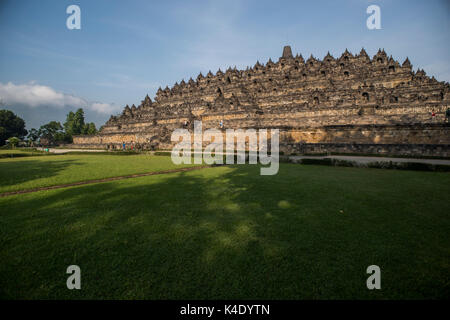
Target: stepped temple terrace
(350,104)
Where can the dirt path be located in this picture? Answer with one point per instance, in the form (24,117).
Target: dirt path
(63,151)
(80,183)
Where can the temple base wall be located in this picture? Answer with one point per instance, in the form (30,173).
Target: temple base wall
(426,150)
(419,139)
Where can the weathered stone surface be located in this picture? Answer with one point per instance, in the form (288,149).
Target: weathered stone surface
(347,100)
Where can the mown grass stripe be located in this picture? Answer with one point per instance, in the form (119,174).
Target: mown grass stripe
(11,193)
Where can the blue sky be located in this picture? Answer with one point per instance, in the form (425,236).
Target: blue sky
(126,49)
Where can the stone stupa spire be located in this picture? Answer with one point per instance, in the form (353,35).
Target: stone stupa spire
(287,52)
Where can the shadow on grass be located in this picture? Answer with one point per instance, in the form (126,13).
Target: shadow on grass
(225,233)
(19,172)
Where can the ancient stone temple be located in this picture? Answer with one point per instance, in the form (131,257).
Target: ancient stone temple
(350,104)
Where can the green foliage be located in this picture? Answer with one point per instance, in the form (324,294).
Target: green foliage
(51,132)
(74,124)
(69,124)
(162,153)
(89,128)
(33,135)
(13,141)
(11,126)
(63,137)
(78,122)
(326,161)
(380,155)
(3,133)
(416,166)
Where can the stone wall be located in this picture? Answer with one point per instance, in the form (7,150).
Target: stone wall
(418,139)
(431,150)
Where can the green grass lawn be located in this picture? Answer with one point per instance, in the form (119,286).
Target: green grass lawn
(43,171)
(309,232)
(9,151)
(20,152)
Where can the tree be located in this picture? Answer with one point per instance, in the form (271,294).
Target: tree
(33,135)
(78,122)
(62,137)
(68,125)
(75,122)
(90,128)
(67,138)
(11,126)
(13,141)
(51,132)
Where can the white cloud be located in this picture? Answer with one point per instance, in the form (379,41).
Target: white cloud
(104,108)
(34,95)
